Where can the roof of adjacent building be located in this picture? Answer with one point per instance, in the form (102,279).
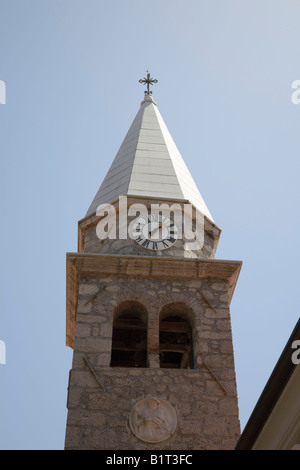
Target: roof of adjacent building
(271,394)
(148,164)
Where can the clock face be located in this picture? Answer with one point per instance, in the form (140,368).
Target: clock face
(154,232)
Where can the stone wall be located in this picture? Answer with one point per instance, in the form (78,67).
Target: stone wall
(90,243)
(99,417)
(101,397)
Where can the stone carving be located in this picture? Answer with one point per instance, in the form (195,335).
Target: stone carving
(153,420)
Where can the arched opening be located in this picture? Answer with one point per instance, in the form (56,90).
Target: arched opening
(175,337)
(129,340)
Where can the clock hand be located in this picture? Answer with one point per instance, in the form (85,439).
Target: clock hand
(150,233)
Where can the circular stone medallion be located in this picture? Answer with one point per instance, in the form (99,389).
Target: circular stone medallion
(153,420)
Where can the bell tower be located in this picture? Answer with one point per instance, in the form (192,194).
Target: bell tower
(148,307)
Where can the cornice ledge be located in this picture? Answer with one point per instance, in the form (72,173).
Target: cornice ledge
(90,263)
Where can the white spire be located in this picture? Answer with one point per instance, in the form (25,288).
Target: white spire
(149,164)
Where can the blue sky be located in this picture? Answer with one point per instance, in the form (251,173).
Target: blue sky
(71,69)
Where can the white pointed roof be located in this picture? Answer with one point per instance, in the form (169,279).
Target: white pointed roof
(149,164)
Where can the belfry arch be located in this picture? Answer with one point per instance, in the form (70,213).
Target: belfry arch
(176,349)
(129,338)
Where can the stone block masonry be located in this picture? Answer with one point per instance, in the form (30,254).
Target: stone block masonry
(99,417)
(102,397)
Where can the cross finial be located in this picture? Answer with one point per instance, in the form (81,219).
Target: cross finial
(148,81)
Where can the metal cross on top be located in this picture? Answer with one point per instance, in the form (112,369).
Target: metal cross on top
(148,81)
